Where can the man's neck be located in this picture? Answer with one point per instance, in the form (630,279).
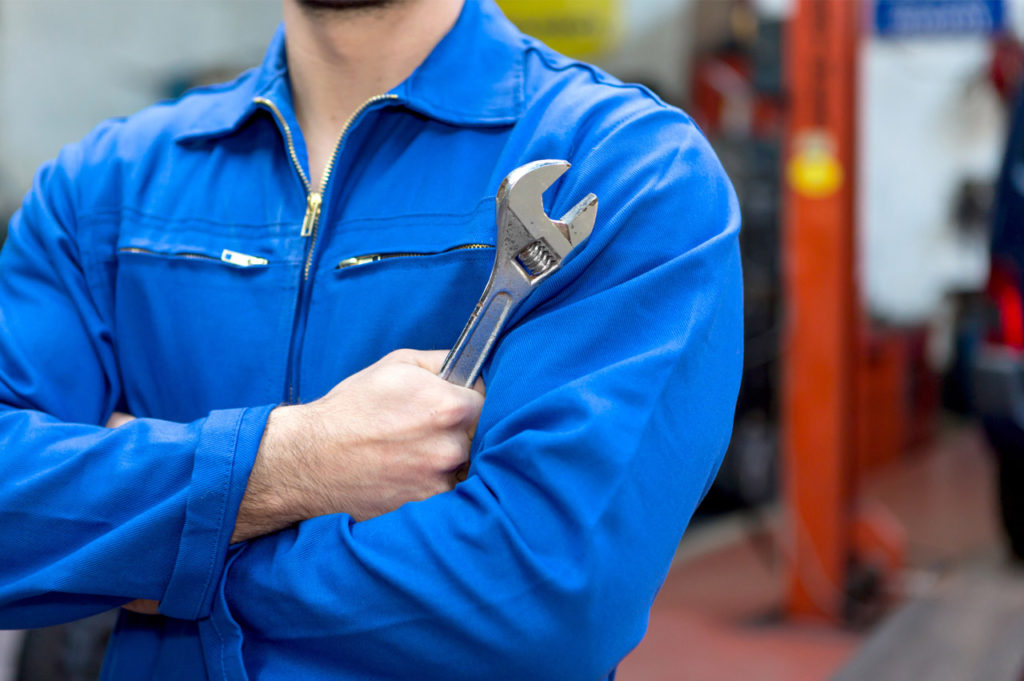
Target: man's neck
(339,58)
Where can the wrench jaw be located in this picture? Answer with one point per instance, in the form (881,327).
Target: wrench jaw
(529,239)
(530,247)
(580,220)
(523,189)
(541,257)
(521,196)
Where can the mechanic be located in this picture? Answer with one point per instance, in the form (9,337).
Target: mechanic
(204,257)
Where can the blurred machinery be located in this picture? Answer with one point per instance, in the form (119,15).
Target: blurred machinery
(862,220)
(853,283)
(738,100)
(997,387)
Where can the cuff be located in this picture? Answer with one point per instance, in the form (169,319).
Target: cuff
(224,456)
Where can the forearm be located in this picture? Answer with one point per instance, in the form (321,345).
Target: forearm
(94,517)
(274,496)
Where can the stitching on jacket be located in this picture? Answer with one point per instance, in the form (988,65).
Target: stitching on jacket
(221,647)
(595,75)
(104,212)
(349,224)
(222,513)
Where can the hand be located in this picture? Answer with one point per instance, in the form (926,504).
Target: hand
(119,418)
(394,432)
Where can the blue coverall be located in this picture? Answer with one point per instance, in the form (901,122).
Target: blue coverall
(173,265)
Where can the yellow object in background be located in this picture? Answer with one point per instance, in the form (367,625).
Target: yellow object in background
(578,28)
(814,169)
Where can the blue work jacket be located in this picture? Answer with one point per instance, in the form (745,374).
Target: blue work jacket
(177,265)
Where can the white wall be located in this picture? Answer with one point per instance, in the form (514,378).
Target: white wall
(657,45)
(928,119)
(65,65)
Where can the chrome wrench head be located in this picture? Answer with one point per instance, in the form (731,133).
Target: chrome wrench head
(526,235)
(531,246)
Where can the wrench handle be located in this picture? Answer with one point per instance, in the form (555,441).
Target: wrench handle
(463,363)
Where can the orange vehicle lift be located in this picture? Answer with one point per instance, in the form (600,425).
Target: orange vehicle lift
(829,540)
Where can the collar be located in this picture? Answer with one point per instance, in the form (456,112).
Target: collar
(473,77)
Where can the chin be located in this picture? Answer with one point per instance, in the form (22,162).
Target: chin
(344,4)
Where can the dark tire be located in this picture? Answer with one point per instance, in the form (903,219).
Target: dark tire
(1007,440)
(1011,499)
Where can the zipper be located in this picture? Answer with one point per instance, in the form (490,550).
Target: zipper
(312,216)
(288,138)
(314,204)
(314,198)
(374,257)
(313,210)
(228,256)
(242,259)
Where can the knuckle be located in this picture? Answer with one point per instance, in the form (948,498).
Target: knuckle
(399,355)
(451,453)
(476,401)
(449,411)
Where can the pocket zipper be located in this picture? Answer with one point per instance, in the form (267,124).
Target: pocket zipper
(242,259)
(230,257)
(374,257)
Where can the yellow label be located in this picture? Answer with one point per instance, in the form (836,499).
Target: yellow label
(814,169)
(578,28)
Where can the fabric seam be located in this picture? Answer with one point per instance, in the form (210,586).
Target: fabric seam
(226,487)
(156,218)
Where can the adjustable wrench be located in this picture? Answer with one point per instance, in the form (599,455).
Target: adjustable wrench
(531,246)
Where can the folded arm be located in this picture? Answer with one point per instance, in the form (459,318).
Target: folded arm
(92,517)
(609,407)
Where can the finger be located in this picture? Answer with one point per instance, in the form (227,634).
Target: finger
(473,405)
(452,450)
(143,607)
(431,360)
(480,387)
(119,418)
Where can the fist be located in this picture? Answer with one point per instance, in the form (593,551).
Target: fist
(394,432)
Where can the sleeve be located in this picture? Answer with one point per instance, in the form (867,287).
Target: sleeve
(92,517)
(609,407)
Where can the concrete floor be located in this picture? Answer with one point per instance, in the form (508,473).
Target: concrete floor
(717,616)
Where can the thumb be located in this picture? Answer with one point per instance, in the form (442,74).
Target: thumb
(118,419)
(431,360)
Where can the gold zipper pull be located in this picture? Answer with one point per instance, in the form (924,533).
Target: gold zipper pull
(242,259)
(358,260)
(313,201)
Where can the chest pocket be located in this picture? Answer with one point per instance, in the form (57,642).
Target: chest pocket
(203,315)
(398,282)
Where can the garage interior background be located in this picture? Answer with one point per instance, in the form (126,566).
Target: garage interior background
(932,115)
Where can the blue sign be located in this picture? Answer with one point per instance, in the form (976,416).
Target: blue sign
(939,17)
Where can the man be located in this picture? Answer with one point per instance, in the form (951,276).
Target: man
(232,249)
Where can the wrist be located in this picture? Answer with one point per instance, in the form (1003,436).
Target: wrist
(273,498)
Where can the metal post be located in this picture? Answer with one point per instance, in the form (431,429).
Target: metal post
(818,412)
